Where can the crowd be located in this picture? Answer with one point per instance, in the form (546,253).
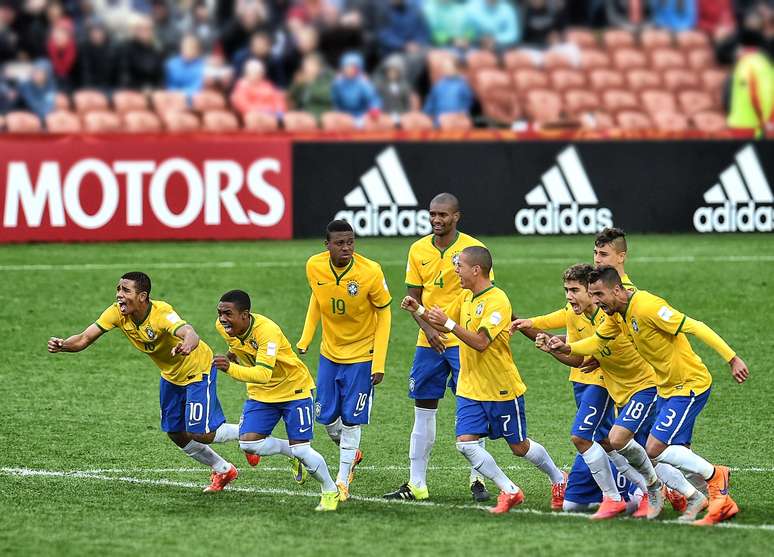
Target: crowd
(362,57)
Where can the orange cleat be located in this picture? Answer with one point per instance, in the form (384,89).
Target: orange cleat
(642,508)
(557,494)
(219,481)
(717,485)
(609,509)
(676,499)
(253,459)
(358,460)
(506,501)
(719,510)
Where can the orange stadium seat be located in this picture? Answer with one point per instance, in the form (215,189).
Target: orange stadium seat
(597,120)
(556,59)
(584,38)
(295,121)
(101,121)
(338,122)
(714,80)
(618,38)
(603,79)
(629,58)
(20,121)
(168,101)
(614,100)
(261,122)
(220,121)
(454,121)
(692,39)
(700,58)
(593,58)
(526,79)
(652,38)
(676,80)
(62,102)
(126,101)
(543,105)
(567,79)
(141,121)
(658,101)
(416,121)
(577,101)
(180,121)
(633,120)
(208,100)
(63,121)
(488,78)
(640,79)
(381,123)
(670,121)
(692,102)
(88,100)
(519,59)
(480,59)
(498,98)
(709,121)
(667,58)
(436,58)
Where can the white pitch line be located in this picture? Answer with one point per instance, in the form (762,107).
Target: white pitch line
(300,263)
(82,474)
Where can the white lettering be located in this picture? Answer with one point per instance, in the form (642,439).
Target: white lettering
(214,196)
(134,171)
(266,192)
(158,193)
(33,202)
(551,219)
(72,192)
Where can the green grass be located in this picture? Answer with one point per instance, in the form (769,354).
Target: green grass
(99,410)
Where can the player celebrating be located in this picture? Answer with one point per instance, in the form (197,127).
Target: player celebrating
(191,414)
(610,249)
(431,280)
(683,381)
(490,401)
(350,293)
(279,386)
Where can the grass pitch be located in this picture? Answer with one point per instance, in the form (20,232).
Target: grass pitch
(85,470)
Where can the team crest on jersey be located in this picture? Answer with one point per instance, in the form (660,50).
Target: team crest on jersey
(635,326)
(412,384)
(253,344)
(150,332)
(317,408)
(479,309)
(353,288)
(456,259)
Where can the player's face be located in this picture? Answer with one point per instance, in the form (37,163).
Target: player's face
(235,322)
(604,297)
(577,295)
(341,246)
(443,218)
(129,300)
(466,272)
(606,254)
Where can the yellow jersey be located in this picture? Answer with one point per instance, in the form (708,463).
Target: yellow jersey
(627,283)
(434,271)
(155,336)
(272,371)
(348,300)
(489,375)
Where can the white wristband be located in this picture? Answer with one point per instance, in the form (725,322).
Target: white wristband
(450,324)
(420,311)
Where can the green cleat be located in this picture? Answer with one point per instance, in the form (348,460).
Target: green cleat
(300,473)
(408,492)
(329,501)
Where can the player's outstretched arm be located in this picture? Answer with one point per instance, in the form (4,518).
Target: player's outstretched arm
(477,340)
(381,340)
(190,340)
(704,333)
(436,339)
(246,374)
(75,343)
(310,325)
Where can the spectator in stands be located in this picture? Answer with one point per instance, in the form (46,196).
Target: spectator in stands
(8,38)
(352,92)
(250,16)
(62,53)
(403,30)
(494,21)
(168,23)
(675,15)
(38,94)
(450,94)
(260,48)
(185,72)
(141,65)
(320,13)
(31,28)
(449,24)
(199,22)
(715,16)
(255,93)
(618,13)
(96,58)
(119,15)
(311,88)
(544,20)
(394,89)
(8,96)
(347,34)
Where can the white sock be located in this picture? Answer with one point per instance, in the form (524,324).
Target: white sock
(267,447)
(350,441)
(538,456)
(697,481)
(334,430)
(570,507)
(685,460)
(638,458)
(599,465)
(674,479)
(634,501)
(484,463)
(315,463)
(475,475)
(422,441)
(226,432)
(204,454)
(626,469)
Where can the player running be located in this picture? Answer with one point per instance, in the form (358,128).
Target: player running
(191,414)
(490,392)
(279,386)
(350,295)
(431,280)
(683,381)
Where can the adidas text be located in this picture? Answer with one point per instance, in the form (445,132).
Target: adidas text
(552,219)
(387,221)
(732,217)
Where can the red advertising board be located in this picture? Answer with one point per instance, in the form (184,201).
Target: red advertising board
(134,187)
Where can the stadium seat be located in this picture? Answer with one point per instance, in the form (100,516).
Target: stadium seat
(22,122)
(416,121)
(63,121)
(653,37)
(700,58)
(597,120)
(337,122)
(141,121)
(126,101)
(658,101)
(567,79)
(543,105)
(584,38)
(181,121)
(676,80)
(577,101)
(436,58)
(61,102)
(692,39)
(87,100)
(520,59)
(614,100)
(629,58)
(208,100)
(709,121)
(603,79)
(669,121)
(381,123)
(667,58)
(714,80)
(488,78)
(168,101)
(220,121)
(499,102)
(101,121)
(526,79)
(261,122)
(593,58)
(692,102)
(633,120)
(557,59)
(481,59)
(617,38)
(454,121)
(294,121)
(641,79)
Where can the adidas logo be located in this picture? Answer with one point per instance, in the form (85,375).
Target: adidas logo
(387,201)
(564,185)
(741,202)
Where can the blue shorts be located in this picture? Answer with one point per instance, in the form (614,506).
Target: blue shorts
(343,391)
(638,414)
(676,416)
(493,419)
(262,417)
(432,372)
(583,490)
(595,412)
(194,407)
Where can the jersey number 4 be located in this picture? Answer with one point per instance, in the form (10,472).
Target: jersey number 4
(438,280)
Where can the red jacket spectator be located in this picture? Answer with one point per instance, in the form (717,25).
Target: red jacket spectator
(255,93)
(62,51)
(714,15)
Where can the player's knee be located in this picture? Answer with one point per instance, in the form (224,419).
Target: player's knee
(179,438)
(467,448)
(521,448)
(618,441)
(654,450)
(581,444)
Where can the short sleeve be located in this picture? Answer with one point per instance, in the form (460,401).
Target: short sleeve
(109,318)
(609,328)
(496,317)
(412,272)
(380,294)
(169,320)
(663,316)
(268,346)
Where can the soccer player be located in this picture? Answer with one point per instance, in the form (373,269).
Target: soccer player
(658,331)
(431,280)
(350,295)
(490,392)
(279,386)
(610,249)
(191,414)
(584,496)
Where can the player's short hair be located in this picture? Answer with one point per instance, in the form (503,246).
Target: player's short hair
(338,225)
(446,198)
(578,273)
(479,255)
(607,275)
(616,237)
(142,282)
(239,298)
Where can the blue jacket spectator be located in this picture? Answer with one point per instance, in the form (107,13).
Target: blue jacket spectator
(451,93)
(351,91)
(403,23)
(496,20)
(39,93)
(675,15)
(185,72)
